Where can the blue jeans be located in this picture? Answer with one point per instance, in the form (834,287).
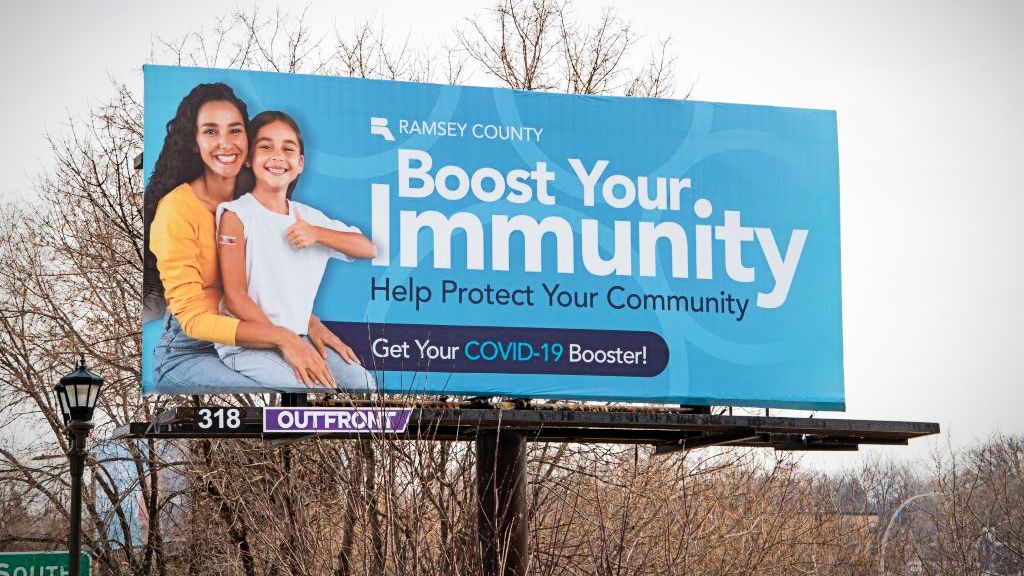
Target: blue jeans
(184,365)
(270,367)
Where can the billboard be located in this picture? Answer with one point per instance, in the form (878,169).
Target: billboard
(488,242)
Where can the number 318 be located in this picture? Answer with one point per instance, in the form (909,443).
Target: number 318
(224,418)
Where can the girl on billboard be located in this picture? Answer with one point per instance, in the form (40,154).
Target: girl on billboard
(264,237)
(198,169)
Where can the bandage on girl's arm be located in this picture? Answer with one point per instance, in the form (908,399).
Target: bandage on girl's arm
(231,250)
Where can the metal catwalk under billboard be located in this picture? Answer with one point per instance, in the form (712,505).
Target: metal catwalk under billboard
(487,242)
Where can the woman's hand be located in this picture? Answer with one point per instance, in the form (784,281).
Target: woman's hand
(322,338)
(310,367)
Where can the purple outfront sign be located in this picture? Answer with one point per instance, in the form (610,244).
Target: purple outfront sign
(343,420)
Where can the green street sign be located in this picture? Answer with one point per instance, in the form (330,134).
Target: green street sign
(39,564)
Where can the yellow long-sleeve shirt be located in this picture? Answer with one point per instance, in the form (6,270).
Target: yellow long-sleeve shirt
(182,237)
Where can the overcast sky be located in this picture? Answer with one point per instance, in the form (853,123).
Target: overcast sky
(931,143)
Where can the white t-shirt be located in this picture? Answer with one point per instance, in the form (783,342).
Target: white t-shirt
(283,281)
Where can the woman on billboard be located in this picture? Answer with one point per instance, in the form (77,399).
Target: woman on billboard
(198,169)
(265,236)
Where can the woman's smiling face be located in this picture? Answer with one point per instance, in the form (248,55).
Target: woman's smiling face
(276,158)
(221,139)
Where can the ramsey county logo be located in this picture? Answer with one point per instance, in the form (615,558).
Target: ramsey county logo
(379,126)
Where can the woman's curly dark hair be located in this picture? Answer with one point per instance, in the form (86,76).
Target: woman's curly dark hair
(179,162)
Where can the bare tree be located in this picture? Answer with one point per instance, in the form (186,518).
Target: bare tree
(69,266)
(517,43)
(593,56)
(546,45)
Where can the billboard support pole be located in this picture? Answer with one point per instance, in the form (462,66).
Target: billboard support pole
(501,491)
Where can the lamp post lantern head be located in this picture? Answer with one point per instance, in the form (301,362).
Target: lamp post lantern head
(78,392)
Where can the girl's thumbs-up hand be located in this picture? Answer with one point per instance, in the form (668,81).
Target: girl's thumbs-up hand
(301,234)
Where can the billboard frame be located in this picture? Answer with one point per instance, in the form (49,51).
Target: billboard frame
(667,429)
(501,432)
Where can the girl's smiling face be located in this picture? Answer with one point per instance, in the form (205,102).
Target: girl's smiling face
(276,156)
(221,138)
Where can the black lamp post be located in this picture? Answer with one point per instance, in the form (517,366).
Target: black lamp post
(77,394)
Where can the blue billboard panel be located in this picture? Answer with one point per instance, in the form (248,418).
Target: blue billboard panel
(487,242)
